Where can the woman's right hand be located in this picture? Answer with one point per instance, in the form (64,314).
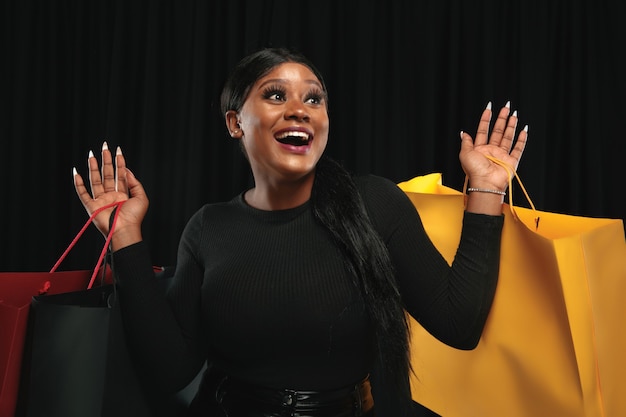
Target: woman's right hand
(114,184)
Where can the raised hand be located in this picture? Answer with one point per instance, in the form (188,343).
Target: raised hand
(483,173)
(114,183)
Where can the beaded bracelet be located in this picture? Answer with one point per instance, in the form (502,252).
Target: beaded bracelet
(484,190)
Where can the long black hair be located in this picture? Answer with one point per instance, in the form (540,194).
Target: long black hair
(337,205)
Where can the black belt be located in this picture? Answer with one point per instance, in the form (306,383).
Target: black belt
(238,398)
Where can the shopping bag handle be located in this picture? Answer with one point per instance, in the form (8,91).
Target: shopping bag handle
(511,173)
(117,206)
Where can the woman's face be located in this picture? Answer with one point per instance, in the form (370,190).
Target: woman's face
(284,123)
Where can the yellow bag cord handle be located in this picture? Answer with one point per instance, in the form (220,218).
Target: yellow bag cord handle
(511,173)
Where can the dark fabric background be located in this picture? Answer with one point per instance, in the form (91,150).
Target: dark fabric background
(404,77)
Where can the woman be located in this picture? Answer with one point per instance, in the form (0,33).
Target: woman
(295,291)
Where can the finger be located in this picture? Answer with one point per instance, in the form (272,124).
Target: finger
(134,186)
(500,125)
(121,183)
(81,190)
(520,145)
(483,126)
(467,143)
(509,132)
(95,180)
(108,171)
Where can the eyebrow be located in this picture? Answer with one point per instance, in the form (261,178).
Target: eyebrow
(284,81)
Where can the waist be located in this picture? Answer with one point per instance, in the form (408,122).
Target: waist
(242,398)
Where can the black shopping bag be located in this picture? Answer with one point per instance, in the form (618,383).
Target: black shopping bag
(76,359)
(76,362)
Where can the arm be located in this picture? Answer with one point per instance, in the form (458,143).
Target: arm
(163,330)
(450,301)
(162,339)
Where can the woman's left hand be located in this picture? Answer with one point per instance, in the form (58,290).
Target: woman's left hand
(500,144)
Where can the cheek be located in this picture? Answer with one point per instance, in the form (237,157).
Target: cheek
(252,128)
(322,132)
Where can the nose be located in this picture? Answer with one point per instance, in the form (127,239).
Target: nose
(296,110)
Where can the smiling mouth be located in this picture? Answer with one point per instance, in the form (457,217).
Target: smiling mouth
(294,138)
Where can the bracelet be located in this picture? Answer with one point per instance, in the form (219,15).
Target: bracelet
(484,190)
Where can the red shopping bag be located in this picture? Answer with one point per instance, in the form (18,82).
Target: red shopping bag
(16,292)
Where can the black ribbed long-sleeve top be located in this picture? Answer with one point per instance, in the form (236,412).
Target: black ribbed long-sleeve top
(265,295)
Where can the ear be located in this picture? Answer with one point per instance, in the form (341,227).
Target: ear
(232,124)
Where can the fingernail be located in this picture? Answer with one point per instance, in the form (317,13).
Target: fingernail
(74,172)
(91,154)
(118,151)
(461,134)
(508,104)
(105,146)
(526,128)
(514,113)
(488,106)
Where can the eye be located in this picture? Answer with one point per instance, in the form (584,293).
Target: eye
(315,97)
(276,96)
(274,93)
(314,100)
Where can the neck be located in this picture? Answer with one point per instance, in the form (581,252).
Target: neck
(280,196)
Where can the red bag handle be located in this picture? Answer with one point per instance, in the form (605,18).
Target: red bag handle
(116,204)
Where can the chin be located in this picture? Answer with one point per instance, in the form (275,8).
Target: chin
(300,168)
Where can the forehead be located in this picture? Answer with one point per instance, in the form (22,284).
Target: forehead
(289,73)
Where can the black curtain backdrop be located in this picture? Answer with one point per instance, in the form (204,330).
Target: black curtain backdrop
(404,78)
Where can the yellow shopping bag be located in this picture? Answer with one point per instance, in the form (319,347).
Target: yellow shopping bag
(554,344)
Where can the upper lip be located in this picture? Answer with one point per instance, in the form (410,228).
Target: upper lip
(294,131)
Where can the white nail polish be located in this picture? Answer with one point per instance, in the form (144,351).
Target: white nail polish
(74,172)
(91,154)
(488,106)
(118,151)
(526,128)
(508,104)
(461,134)
(105,146)
(514,113)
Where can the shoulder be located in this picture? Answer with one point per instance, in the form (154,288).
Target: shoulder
(219,209)
(223,208)
(384,201)
(210,220)
(214,213)
(373,188)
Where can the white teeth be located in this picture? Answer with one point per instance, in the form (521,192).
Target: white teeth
(292,134)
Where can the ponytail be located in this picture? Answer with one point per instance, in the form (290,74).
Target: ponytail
(338,206)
